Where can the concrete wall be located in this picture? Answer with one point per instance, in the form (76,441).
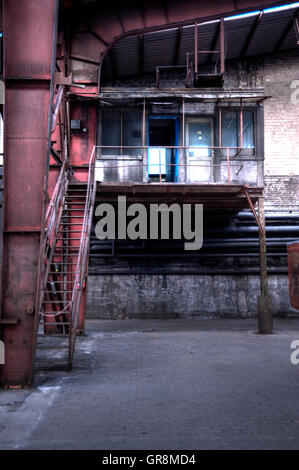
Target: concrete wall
(169,296)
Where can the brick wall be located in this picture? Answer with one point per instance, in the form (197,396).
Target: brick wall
(281,131)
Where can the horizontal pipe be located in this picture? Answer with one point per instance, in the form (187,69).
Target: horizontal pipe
(98,246)
(95,240)
(186,255)
(254,229)
(248,215)
(199,271)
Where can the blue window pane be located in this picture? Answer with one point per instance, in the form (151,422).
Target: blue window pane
(248,133)
(229,129)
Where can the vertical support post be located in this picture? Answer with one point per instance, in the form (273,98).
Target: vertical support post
(183,122)
(143,124)
(183,141)
(81,318)
(144,150)
(157,77)
(241,124)
(220,128)
(195,48)
(228,165)
(160,176)
(222,47)
(121,132)
(264,301)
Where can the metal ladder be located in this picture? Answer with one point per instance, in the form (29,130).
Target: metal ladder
(64,269)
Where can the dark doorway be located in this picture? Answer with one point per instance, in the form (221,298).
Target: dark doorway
(162,133)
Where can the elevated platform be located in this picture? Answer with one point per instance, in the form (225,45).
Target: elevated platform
(214,196)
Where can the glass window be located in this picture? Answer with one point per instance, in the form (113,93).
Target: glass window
(111,131)
(248,130)
(121,128)
(131,132)
(231,129)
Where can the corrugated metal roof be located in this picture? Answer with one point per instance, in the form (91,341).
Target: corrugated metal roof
(169,47)
(269,32)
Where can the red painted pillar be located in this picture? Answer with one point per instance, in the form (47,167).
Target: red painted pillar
(28,40)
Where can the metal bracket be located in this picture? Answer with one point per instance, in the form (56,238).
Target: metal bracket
(60,79)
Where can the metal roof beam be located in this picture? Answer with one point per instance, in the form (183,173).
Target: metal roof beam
(251,35)
(178,46)
(141,53)
(214,43)
(113,65)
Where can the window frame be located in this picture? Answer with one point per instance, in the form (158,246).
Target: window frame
(121,110)
(246,152)
(256,153)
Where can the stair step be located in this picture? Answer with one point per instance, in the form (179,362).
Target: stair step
(69,209)
(64,272)
(58,292)
(65,282)
(66,264)
(53,335)
(67,238)
(77,203)
(63,248)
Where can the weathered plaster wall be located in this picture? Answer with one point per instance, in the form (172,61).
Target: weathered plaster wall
(169,296)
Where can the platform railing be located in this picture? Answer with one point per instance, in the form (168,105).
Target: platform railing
(52,221)
(118,160)
(82,262)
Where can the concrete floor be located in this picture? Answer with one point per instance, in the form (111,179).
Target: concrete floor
(163,384)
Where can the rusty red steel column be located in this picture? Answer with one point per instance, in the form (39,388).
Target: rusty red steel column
(29,30)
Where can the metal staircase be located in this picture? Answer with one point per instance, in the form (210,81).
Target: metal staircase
(64,268)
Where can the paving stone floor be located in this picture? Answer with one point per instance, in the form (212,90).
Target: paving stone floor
(163,384)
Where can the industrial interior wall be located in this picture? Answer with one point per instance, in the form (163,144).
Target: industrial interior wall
(110,295)
(277,74)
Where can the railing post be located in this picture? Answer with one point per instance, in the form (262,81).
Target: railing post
(160,176)
(264,301)
(228,165)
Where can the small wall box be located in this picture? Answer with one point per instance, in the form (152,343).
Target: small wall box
(76,127)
